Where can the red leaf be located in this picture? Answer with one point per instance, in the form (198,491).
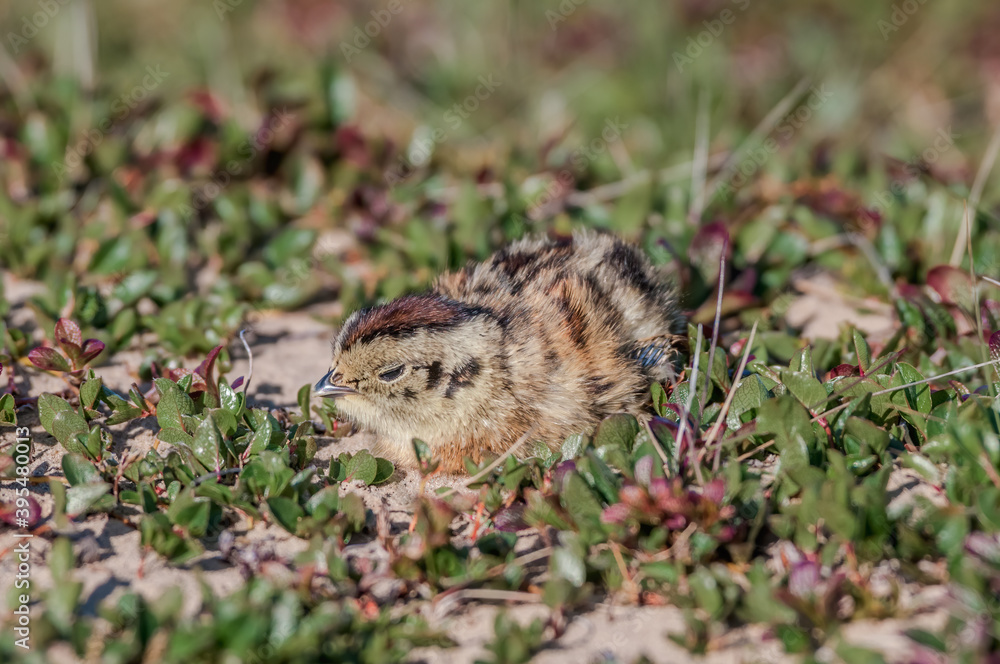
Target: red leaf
(510,519)
(198,383)
(8,514)
(843,370)
(91,349)
(952,284)
(995,346)
(715,491)
(616,513)
(708,246)
(48,359)
(206,368)
(68,332)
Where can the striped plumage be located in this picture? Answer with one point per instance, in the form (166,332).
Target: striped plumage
(546,334)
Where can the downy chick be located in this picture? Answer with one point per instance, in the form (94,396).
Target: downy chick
(546,336)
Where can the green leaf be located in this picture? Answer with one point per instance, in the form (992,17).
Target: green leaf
(385,470)
(61,560)
(229,399)
(748,397)
(806,388)
(706,592)
(207,442)
(290,243)
(927,639)
(49,405)
(863,351)
(266,430)
(8,411)
(124,414)
(79,470)
(286,512)
(803,362)
(302,398)
(157,533)
(174,402)
(568,562)
(65,426)
(90,391)
(190,512)
(918,396)
(324,503)
(789,421)
(176,436)
(875,437)
(95,441)
(80,499)
(573,445)
(582,505)
(617,431)
(659,398)
(362,467)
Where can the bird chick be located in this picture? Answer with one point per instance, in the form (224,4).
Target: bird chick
(546,336)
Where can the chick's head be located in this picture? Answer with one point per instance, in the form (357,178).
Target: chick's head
(417,367)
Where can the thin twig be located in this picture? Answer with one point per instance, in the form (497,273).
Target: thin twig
(246,382)
(891,357)
(657,445)
(692,386)
(495,595)
(759,448)
(496,571)
(217,474)
(737,379)
(990,470)
(715,326)
(496,462)
(903,387)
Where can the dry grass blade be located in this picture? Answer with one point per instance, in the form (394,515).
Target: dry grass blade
(613,190)
(246,383)
(496,462)
(686,412)
(716,324)
(717,427)
(889,390)
(699,166)
(985,167)
(763,128)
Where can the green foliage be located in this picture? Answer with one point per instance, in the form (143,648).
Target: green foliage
(181,223)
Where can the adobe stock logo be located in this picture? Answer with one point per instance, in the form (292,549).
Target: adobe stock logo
(422,147)
(121,107)
(901,13)
(739,173)
(697,44)
(360,39)
(944,141)
(37,21)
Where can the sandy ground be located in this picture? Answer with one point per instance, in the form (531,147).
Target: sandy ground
(289,351)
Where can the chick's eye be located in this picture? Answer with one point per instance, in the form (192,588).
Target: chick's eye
(392,374)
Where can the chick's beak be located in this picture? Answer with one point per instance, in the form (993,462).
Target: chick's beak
(329,386)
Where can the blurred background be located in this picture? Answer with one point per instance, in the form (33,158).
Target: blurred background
(177,167)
